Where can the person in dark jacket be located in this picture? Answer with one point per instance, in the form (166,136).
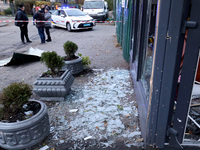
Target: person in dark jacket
(39,16)
(42,8)
(47,17)
(21,16)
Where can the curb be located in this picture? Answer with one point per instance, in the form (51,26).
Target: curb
(3,24)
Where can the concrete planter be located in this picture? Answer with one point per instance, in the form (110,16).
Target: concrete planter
(53,89)
(26,133)
(75,65)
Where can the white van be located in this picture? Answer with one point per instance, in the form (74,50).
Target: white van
(97,9)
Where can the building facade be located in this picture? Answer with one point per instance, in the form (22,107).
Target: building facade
(160,40)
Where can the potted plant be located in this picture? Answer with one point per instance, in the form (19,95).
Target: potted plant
(72,62)
(54,84)
(23,122)
(85,61)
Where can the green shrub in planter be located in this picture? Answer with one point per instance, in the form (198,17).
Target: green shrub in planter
(14,97)
(52,61)
(70,49)
(85,60)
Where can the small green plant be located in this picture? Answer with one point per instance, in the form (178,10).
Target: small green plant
(85,60)
(52,61)
(13,97)
(119,107)
(70,49)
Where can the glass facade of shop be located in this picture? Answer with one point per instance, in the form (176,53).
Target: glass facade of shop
(163,78)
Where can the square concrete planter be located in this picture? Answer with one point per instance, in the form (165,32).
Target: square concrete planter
(75,65)
(53,89)
(26,133)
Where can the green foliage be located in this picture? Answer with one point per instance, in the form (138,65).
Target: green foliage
(80,2)
(8,11)
(1,113)
(14,97)
(85,60)
(80,5)
(2,13)
(52,61)
(27,3)
(70,49)
(57,3)
(120,107)
(71,2)
(110,4)
(39,3)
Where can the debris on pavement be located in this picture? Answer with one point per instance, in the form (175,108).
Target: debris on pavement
(105,111)
(31,55)
(73,110)
(28,113)
(89,137)
(44,147)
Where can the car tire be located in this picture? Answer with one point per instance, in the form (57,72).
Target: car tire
(69,27)
(90,29)
(103,18)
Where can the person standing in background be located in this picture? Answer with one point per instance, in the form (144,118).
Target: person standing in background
(23,24)
(42,8)
(39,16)
(33,13)
(47,17)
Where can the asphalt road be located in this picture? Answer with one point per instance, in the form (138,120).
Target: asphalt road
(98,44)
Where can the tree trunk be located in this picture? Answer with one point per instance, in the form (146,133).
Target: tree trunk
(12,8)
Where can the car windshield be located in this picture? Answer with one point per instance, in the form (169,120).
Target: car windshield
(93,5)
(52,11)
(75,12)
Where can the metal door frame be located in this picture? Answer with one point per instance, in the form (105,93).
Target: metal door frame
(164,122)
(190,61)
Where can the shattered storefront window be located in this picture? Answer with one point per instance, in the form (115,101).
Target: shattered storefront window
(146,74)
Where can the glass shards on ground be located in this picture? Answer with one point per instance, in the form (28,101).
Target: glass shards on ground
(103,109)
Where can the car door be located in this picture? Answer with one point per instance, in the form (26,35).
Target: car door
(55,18)
(63,18)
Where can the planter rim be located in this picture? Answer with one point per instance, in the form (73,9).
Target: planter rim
(74,60)
(16,125)
(57,78)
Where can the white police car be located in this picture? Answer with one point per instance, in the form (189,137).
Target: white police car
(72,19)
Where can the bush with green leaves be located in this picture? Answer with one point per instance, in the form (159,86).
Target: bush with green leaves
(70,49)
(8,11)
(13,97)
(85,60)
(52,61)
(27,3)
(110,4)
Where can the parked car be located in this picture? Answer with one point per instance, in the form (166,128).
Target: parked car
(52,11)
(97,9)
(72,19)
